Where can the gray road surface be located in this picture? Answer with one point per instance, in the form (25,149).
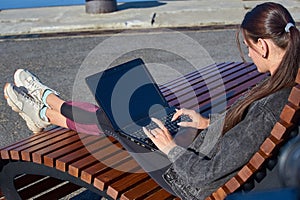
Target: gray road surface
(58,62)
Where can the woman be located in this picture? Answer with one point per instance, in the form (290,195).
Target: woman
(273,43)
(227,141)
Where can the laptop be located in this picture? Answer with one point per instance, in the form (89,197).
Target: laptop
(129,97)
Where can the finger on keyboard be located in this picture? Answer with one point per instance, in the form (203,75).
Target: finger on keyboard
(177,114)
(158,122)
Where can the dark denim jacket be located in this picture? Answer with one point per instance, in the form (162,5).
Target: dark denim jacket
(212,159)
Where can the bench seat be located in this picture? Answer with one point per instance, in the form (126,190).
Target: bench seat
(66,160)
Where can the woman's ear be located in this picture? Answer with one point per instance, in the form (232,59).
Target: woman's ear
(263,46)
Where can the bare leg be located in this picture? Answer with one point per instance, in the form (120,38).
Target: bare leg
(54,102)
(53,114)
(61,113)
(56,118)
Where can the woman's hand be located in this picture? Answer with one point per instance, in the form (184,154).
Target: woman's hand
(160,136)
(197,122)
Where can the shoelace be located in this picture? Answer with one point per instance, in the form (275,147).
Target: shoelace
(27,98)
(34,84)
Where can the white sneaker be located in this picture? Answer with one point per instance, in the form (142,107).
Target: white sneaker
(35,88)
(27,107)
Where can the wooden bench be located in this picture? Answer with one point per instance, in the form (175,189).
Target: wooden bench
(59,161)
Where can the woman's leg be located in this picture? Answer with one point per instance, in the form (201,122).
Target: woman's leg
(81,117)
(77,116)
(56,118)
(54,102)
(53,113)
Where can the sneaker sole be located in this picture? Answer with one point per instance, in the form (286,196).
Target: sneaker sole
(30,124)
(23,115)
(9,102)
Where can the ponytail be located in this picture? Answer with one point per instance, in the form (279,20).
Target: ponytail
(268,20)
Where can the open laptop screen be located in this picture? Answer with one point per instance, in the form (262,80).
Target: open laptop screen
(127,93)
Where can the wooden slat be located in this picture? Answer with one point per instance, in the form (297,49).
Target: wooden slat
(200,80)
(5,152)
(104,179)
(220,194)
(120,186)
(232,185)
(89,173)
(16,152)
(68,137)
(37,155)
(203,98)
(267,147)
(177,82)
(207,76)
(245,173)
(76,167)
(90,145)
(294,96)
(50,158)
(191,75)
(161,194)
(141,191)
(235,91)
(212,81)
(208,86)
(289,113)
(280,129)
(257,160)
(105,152)
(217,103)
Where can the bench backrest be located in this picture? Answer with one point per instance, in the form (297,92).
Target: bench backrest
(289,118)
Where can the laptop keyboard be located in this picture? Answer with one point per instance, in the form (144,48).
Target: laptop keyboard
(141,138)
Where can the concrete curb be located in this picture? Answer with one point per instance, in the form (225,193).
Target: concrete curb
(133,15)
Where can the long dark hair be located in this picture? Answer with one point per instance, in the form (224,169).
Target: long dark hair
(268,21)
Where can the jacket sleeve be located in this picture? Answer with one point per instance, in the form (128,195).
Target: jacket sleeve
(231,151)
